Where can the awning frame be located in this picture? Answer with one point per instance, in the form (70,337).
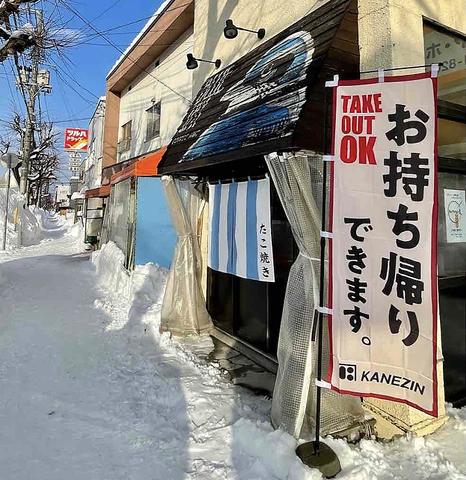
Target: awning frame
(99,192)
(146,166)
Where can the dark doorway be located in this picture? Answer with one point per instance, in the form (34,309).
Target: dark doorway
(251,310)
(452,285)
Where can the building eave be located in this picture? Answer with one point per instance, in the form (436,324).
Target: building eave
(159,33)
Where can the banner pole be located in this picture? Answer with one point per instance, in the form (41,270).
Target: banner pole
(317,454)
(322,279)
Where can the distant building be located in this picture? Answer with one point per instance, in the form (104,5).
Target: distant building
(62,198)
(91,168)
(75,186)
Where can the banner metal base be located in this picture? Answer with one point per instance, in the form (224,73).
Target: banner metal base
(320,456)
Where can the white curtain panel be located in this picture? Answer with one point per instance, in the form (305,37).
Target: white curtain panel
(299,181)
(240,229)
(184,309)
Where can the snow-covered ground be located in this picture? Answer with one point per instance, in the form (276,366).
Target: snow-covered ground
(89,390)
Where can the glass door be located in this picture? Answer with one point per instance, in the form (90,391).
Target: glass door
(449,49)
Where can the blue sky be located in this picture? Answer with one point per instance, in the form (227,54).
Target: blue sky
(82,79)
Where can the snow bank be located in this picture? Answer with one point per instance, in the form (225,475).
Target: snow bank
(76,231)
(111,273)
(31,221)
(440,456)
(142,289)
(134,301)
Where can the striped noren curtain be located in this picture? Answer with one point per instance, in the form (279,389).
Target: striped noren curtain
(240,240)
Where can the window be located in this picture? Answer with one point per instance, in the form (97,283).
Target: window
(126,131)
(451,139)
(442,46)
(125,143)
(153,122)
(449,48)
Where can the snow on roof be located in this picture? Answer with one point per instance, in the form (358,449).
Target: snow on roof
(136,39)
(77,196)
(97,107)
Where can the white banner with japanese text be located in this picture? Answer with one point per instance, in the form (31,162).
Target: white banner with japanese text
(383,254)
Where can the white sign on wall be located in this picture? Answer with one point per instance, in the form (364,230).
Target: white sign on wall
(383,282)
(455,215)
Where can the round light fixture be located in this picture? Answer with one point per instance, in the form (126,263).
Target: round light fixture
(230,31)
(192,63)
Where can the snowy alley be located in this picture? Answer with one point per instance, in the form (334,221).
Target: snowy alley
(89,390)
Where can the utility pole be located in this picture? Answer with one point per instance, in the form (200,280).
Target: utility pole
(30,90)
(7,202)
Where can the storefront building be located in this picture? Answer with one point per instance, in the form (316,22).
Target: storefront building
(138,220)
(148,93)
(263,114)
(91,173)
(417,33)
(92,166)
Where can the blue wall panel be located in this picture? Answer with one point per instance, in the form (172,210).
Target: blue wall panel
(155,235)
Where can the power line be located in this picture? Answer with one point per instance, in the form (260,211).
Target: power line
(69,120)
(110,31)
(46,108)
(133,22)
(122,45)
(9,86)
(59,74)
(63,71)
(122,52)
(66,103)
(101,14)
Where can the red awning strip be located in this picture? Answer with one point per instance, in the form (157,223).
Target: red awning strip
(103,191)
(145,167)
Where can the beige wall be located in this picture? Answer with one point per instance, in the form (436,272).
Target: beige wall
(112,109)
(145,91)
(209,21)
(390,31)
